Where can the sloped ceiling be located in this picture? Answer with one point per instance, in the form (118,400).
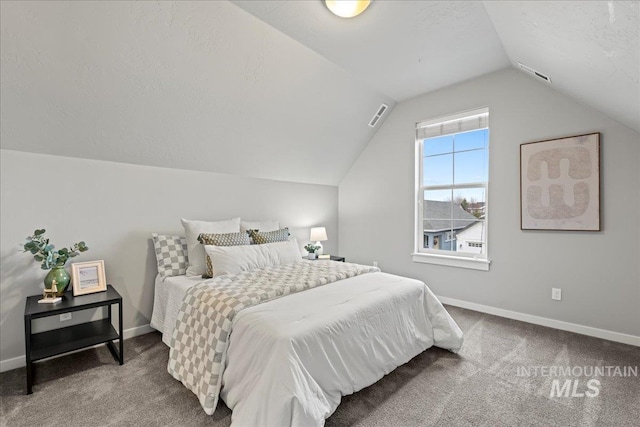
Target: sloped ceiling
(401,48)
(190,85)
(280,89)
(590,49)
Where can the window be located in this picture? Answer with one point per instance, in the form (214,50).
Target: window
(452,163)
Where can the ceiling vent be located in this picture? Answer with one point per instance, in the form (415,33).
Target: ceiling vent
(378,114)
(534,72)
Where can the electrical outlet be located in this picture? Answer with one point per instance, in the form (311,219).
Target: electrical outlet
(375,263)
(65,317)
(556,294)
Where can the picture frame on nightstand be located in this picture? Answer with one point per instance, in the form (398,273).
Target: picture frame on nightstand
(88,277)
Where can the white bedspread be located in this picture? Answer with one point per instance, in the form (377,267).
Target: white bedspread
(290,360)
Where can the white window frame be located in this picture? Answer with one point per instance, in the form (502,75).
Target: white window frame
(436,256)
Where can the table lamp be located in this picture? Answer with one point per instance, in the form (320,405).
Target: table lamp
(319,234)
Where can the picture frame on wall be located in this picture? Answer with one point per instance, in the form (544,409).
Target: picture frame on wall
(560,184)
(88,277)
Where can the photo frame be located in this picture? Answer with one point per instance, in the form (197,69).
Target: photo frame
(88,277)
(560,184)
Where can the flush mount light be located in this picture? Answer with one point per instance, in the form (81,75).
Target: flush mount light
(347,8)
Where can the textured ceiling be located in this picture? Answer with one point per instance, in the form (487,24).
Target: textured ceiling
(280,89)
(400,48)
(406,48)
(590,49)
(190,85)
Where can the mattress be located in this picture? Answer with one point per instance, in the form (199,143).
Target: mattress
(291,360)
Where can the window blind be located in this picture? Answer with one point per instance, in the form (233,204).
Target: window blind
(462,122)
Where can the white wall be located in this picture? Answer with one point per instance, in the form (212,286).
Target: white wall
(114,208)
(598,272)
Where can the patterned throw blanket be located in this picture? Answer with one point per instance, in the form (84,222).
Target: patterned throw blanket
(201,336)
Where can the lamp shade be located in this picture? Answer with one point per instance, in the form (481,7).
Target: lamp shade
(318,234)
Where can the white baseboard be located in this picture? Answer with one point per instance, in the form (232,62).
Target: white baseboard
(138,330)
(20,361)
(543,321)
(14,363)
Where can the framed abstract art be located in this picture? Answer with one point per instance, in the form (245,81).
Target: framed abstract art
(560,184)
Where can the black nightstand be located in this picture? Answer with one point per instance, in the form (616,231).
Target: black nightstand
(331,257)
(58,341)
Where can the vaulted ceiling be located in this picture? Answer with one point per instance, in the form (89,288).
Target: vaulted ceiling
(399,48)
(590,49)
(190,85)
(280,89)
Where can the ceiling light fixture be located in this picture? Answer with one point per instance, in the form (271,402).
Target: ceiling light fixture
(347,8)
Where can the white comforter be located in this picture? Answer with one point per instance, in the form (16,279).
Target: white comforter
(290,360)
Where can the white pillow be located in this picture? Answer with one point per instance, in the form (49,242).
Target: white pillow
(234,259)
(197,265)
(270,225)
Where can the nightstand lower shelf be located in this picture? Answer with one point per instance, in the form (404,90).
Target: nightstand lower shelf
(58,341)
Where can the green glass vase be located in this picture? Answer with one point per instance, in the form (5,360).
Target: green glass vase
(61,277)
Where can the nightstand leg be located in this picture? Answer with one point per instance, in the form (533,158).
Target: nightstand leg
(27,354)
(121,336)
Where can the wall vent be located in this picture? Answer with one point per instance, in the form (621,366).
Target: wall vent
(534,72)
(378,114)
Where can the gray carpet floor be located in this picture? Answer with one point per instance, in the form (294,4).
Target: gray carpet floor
(480,386)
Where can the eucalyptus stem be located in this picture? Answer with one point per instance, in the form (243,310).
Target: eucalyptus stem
(46,254)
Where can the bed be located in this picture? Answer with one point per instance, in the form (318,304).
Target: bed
(290,360)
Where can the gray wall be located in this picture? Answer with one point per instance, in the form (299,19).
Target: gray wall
(115,207)
(598,272)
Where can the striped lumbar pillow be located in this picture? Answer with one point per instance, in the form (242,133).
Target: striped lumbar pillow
(260,238)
